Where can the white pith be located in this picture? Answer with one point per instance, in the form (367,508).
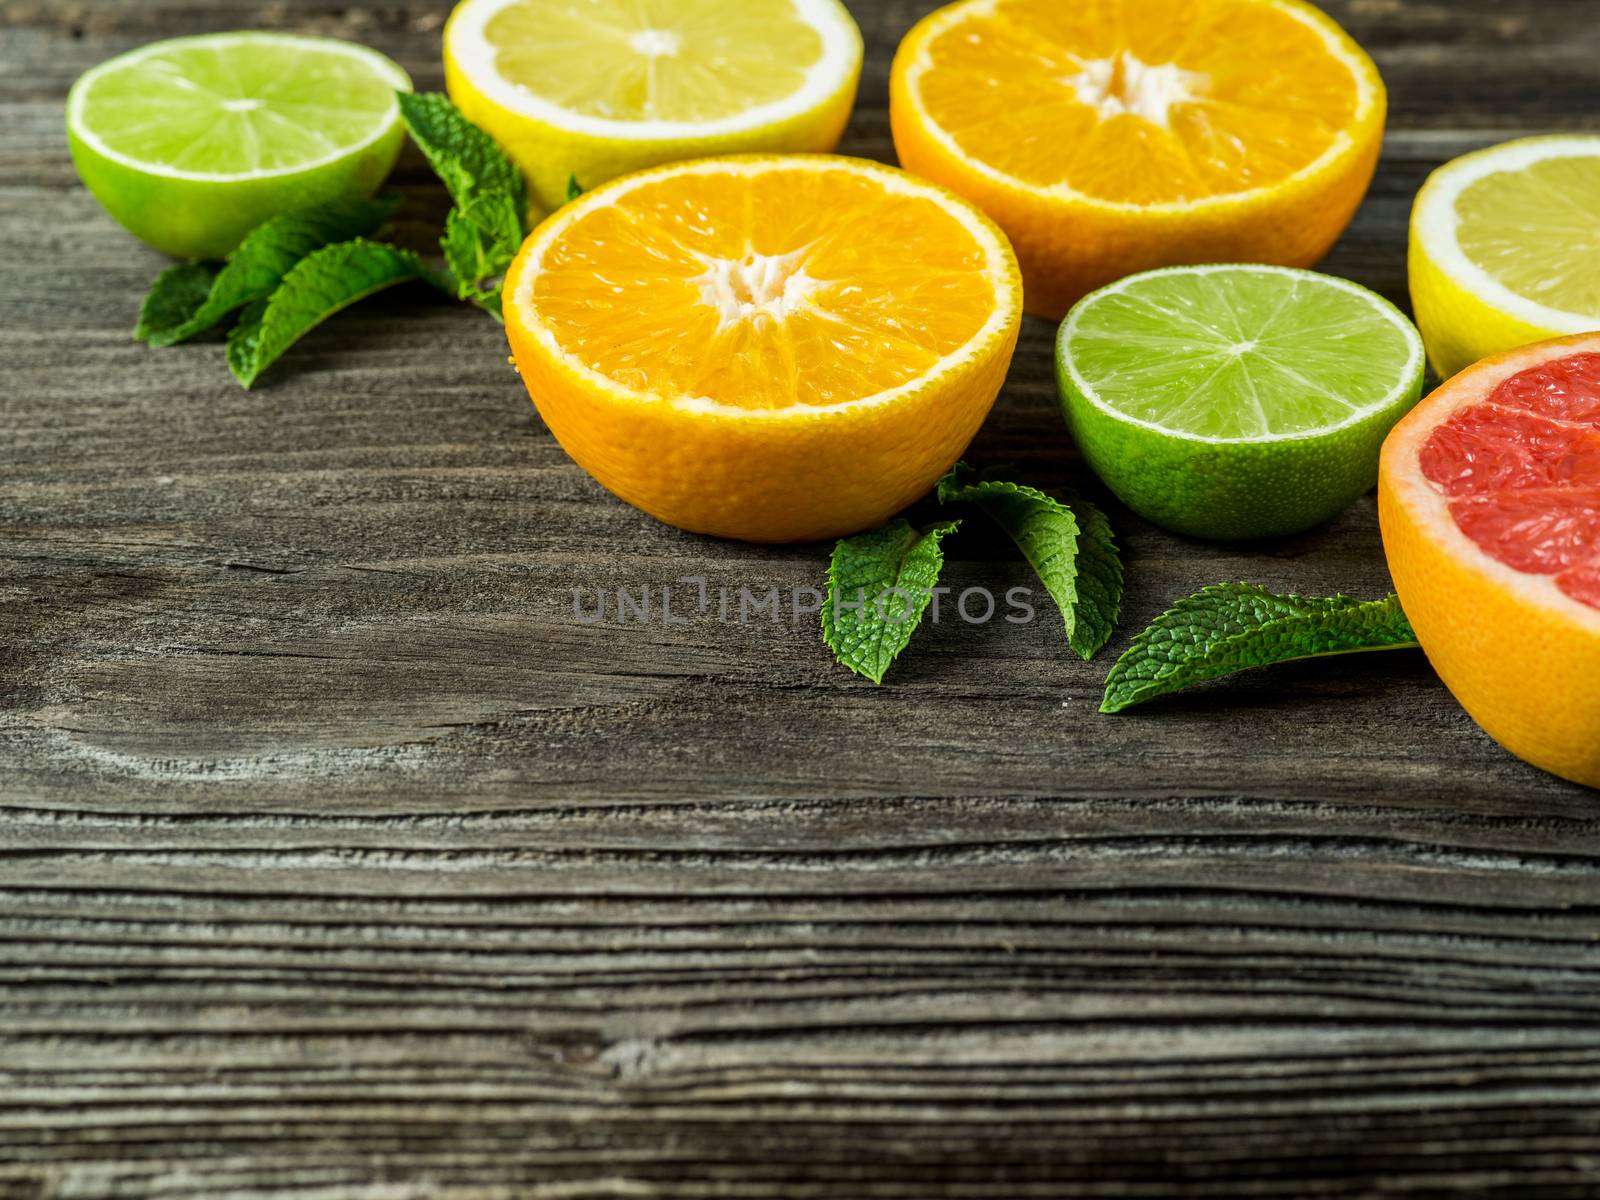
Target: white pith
(1409,374)
(758,285)
(656,43)
(1438,225)
(1430,507)
(1332,37)
(469,49)
(1128,86)
(1001,272)
(76,98)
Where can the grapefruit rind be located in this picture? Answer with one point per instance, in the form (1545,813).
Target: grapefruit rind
(1519,654)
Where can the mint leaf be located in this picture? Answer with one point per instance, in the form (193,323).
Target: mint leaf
(173,299)
(175,310)
(501,220)
(463,156)
(879,583)
(490,217)
(1233,627)
(318,286)
(1069,546)
(574,188)
(474,261)
(465,253)
(479,243)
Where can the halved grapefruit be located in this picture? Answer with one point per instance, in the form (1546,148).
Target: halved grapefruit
(1489,498)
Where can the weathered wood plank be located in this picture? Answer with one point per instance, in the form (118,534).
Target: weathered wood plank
(337,860)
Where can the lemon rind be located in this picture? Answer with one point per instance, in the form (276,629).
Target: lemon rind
(834,71)
(1437,222)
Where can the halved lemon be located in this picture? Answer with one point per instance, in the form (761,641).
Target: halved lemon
(1505,249)
(774,348)
(603,87)
(1108,137)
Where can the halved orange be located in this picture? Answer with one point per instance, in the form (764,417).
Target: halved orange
(1108,137)
(773,348)
(1489,498)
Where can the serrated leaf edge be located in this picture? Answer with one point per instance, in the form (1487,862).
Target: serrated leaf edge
(1315,606)
(936,532)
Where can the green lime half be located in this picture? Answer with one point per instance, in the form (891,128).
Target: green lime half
(193,142)
(1236,401)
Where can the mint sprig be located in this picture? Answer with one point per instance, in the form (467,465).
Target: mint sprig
(294,271)
(1233,627)
(318,286)
(485,228)
(1069,545)
(177,308)
(879,585)
(464,157)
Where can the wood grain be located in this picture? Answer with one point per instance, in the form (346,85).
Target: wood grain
(337,860)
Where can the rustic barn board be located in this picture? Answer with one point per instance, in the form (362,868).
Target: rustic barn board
(337,860)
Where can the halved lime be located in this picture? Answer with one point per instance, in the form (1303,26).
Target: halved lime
(1236,401)
(193,142)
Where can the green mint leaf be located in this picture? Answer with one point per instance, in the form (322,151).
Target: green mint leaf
(879,584)
(479,243)
(1069,546)
(574,188)
(173,313)
(485,228)
(172,301)
(464,157)
(318,286)
(498,216)
(465,253)
(1233,627)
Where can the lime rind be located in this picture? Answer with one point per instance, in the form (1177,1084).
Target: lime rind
(260,97)
(1230,443)
(1169,348)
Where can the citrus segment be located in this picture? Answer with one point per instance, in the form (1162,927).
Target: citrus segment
(772,348)
(191,143)
(1503,248)
(1236,401)
(603,87)
(1114,136)
(1489,499)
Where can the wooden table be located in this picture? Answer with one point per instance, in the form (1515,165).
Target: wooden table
(337,860)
